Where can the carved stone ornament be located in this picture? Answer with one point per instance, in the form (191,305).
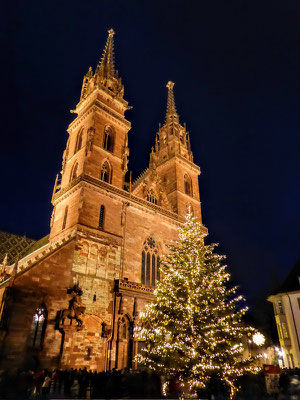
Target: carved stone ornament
(89,140)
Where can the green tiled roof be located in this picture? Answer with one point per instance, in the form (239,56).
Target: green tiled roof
(15,246)
(38,244)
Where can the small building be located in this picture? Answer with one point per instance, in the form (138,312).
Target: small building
(286,303)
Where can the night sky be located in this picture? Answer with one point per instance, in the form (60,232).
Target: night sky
(236,67)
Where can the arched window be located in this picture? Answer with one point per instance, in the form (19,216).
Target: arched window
(108,140)
(38,327)
(150,263)
(78,144)
(65,218)
(101,217)
(151,196)
(74,171)
(105,172)
(188,185)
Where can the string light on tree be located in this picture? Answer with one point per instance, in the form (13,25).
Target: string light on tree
(194,328)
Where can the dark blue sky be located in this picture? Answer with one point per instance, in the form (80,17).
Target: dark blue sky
(235,65)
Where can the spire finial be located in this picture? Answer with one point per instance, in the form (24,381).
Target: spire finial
(107,66)
(171,109)
(170,85)
(111,32)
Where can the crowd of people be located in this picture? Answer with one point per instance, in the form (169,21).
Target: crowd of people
(83,384)
(73,383)
(289,381)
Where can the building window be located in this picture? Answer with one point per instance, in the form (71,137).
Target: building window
(151,196)
(285,333)
(150,263)
(157,268)
(74,171)
(279,307)
(65,218)
(38,327)
(105,172)
(101,217)
(78,143)
(143,267)
(188,185)
(108,141)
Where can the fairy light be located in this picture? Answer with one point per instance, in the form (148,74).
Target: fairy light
(194,328)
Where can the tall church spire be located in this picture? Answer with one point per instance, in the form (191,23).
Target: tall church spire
(171,113)
(172,138)
(107,67)
(106,76)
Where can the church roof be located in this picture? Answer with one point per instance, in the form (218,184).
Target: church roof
(15,246)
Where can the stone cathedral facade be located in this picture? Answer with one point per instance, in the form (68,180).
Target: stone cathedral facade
(74,299)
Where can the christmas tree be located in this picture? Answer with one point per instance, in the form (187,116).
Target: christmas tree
(194,331)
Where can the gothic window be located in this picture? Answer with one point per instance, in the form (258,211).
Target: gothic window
(105,172)
(150,263)
(101,217)
(143,267)
(78,144)
(188,185)
(151,196)
(148,269)
(65,218)
(74,171)
(38,327)
(157,268)
(108,141)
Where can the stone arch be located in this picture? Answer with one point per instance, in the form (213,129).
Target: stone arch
(106,172)
(152,196)
(188,186)
(85,248)
(74,171)
(150,262)
(65,216)
(108,138)
(78,143)
(94,249)
(124,356)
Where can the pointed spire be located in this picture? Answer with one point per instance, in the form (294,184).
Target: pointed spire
(107,66)
(171,108)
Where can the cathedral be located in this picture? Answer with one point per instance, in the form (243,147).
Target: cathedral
(72,299)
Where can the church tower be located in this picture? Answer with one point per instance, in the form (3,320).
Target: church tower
(97,148)
(172,160)
(102,262)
